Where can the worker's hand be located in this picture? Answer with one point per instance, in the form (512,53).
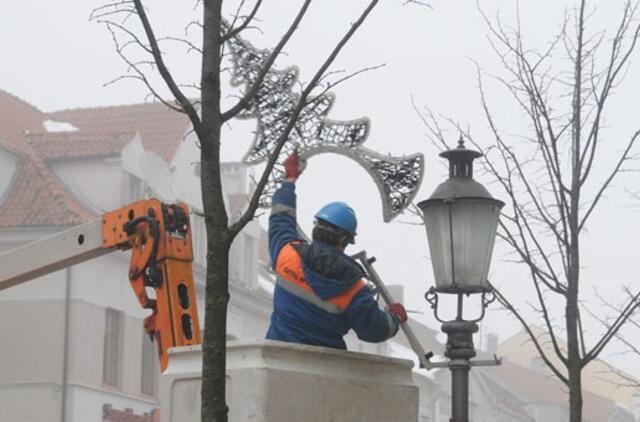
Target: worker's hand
(397,310)
(293,166)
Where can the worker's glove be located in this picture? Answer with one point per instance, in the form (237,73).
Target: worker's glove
(293,166)
(397,310)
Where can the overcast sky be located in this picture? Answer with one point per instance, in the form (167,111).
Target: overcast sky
(53,57)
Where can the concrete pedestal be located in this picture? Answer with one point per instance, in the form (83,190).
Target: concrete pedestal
(270,381)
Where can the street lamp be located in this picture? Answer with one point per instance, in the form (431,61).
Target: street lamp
(461,218)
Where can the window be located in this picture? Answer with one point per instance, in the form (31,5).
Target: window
(133,188)
(112,347)
(150,366)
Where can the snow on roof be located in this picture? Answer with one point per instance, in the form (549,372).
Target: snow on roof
(55,126)
(160,128)
(37,197)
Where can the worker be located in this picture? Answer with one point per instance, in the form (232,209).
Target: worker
(320,293)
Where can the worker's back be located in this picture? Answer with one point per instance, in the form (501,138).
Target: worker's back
(319,294)
(334,300)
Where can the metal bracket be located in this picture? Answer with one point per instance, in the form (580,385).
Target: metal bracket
(496,361)
(367,263)
(431,296)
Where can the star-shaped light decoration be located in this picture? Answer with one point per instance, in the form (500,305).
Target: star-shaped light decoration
(397,178)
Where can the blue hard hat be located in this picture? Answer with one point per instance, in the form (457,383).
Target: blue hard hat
(340,215)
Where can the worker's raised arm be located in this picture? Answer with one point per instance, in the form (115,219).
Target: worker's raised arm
(283,228)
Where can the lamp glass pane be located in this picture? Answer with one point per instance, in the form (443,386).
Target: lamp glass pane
(471,225)
(436,219)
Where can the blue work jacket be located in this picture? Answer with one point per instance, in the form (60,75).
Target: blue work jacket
(320,293)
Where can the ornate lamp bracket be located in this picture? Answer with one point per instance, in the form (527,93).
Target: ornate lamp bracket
(487,298)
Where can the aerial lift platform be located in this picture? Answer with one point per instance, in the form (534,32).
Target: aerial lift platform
(160,273)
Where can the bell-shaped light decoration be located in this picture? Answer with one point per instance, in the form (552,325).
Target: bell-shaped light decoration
(461,218)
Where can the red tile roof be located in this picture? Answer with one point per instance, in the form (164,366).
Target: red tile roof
(160,128)
(535,387)
(36,196)
(66,145)
(38,199)
(16,118)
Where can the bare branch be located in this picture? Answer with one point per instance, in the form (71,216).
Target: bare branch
(504,302)
(188,43)
(232,32)
(251,92)
(135,67)
(330,85)
(613,329)
(184,102)
(624,157)
(255,199)
(418,3)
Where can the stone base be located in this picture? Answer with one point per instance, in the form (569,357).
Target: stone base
(270,381)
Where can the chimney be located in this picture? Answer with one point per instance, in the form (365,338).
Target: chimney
(491,343)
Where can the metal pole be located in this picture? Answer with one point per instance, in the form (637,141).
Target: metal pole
(367,263)
(65,347)
(459,351)
(459,390)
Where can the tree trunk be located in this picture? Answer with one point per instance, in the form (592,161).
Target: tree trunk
(575,392)
(574,360)
(572,311)
(213,393)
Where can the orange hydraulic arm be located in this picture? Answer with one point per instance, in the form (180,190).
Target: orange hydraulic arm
(159,237)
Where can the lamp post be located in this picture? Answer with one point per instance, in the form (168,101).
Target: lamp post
(461,218)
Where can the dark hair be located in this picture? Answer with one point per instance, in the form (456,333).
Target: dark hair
(328,233)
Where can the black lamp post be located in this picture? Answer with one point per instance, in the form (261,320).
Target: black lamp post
(461,218)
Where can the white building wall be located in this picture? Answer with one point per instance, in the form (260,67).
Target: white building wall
(32,342)
(49,287)
(98,180)
(184,170)
(86,403)
(104,282)
(542,412)
(8,166)
(30,402)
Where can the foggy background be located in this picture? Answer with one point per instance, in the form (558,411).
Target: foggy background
(54,58)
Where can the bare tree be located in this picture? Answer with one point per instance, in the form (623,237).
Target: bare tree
(626,337)
(549,179)
(129,19)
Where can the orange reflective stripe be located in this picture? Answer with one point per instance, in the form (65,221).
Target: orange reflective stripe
(289,268)
(343,300)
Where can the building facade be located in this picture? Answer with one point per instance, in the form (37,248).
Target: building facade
(74,346)
(74,349)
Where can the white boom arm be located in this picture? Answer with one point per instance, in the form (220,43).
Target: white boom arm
(44,256)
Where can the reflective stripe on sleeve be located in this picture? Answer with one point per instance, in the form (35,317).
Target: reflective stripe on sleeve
(280,208)
(343,300)
(309,296)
